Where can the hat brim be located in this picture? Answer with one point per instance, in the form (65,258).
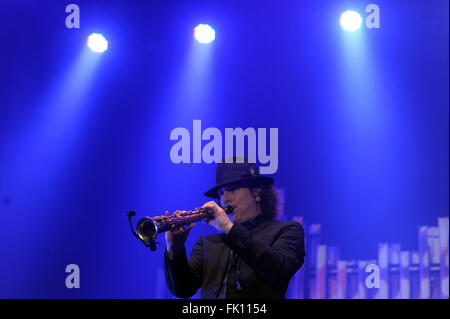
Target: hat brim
(253,181)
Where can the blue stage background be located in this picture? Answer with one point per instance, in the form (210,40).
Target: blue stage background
(363,122)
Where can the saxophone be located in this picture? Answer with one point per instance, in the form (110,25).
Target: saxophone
(148,228)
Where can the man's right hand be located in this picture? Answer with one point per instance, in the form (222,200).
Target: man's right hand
(176,237)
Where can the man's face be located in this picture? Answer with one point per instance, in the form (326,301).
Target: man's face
(245,206)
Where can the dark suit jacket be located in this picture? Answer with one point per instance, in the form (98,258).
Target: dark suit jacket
(269,253)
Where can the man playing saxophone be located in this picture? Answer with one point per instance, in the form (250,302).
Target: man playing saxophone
(254,255)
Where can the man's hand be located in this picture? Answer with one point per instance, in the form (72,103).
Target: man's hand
(176,237)
(222,221)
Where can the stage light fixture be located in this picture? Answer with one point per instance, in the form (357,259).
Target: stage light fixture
(203,33)
(97,43)
(350,20)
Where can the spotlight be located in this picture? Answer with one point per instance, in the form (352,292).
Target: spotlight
(97,43)
(350,20)
(203,33)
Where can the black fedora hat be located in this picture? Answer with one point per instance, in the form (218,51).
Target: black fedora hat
(244,174)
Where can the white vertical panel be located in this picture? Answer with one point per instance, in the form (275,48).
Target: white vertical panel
(404,275)
(383,262)
(443,250)
(433,244)
(332,260)
(314,231)
(342,279)
(394,271)
(352,280)
(362,290)
(414,275)
(424,263)
(321,271)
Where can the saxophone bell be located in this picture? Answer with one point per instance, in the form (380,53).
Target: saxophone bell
(147,229)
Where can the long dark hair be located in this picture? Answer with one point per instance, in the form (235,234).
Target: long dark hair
(268,199)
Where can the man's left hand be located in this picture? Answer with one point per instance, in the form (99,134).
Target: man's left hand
(223,223)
